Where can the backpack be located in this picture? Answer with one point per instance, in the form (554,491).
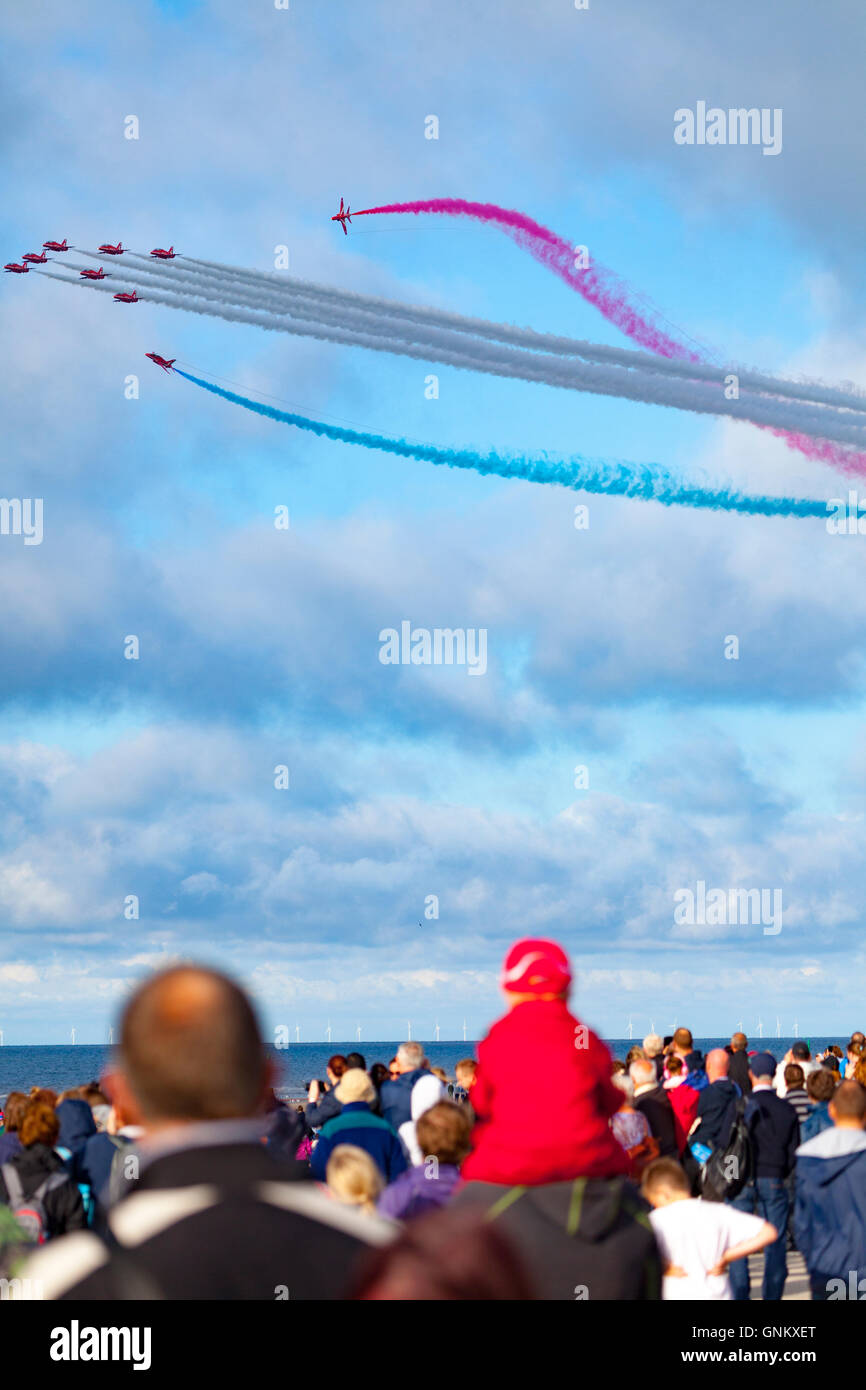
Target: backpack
(30,1212)
(717,1184)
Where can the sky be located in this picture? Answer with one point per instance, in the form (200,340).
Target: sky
(415,790)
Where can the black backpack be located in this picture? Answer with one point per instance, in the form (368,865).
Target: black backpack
(728,1169)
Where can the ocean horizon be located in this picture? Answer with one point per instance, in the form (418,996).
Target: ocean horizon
(62,1066)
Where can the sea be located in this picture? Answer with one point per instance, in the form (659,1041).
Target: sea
(61,1067)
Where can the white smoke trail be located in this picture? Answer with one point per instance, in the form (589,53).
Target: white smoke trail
(458,351)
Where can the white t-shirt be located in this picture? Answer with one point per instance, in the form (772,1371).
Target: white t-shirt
(694,1235)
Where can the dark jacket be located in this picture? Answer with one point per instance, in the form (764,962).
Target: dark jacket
(738,1072)
(587,1239)
(395,1097)
(717,1106)
(774,1131)
(358,1125)
(326,1108)
(76,1125)
(230,1223)
(10,1145)
(816,1122)
(93,1167)
(656,1106)
(64,1209)
(830,1205)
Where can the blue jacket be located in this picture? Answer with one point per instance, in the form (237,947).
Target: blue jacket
(326,1108)
(357,1125)
(775,1133)
(395,1097)
(816,1121)
(830,1204)
(76,1125)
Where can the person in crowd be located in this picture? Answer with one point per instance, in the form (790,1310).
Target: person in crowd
(654,1050)
(774,1132)
(683,1099)
(820,1088)
(356,1124)
(795,1092)
(738,1064)
(286,1133)
(97,1161)
(831,1063)
(36,1179)
(356,1061)
(322,1105)
(830,1198)
(77,1125)
(528,1133)
(427,1091)
(443,1137)
(634,1053)
(353,1177)
(99,1104)
(393,1069)
(378,1074)
(396,1096)
(194,1072)
(441,1074)
(853,1054)
(631,1128)
(653,1101)
(446,1257)
(464,1073)
(717,1103)
(798,1053)
(698,1240)
(859,1072)
(10,1143)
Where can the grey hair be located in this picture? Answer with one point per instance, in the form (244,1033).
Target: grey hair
(410,1054)
(642,1071)
(624,1083)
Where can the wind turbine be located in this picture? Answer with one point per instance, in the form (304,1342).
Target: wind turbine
(328,1030)
(437,1032)
(1,1037)
(358,1032)
(630,1029)
(110,1037)
(796,1028)
(297,1032)
(73,1036)
(464,1030)
(409,1026)
(652,1026)
(760,1029)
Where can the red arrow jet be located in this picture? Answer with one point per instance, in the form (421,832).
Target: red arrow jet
(55,245)
(110,250)
(92,274)
(16,269)
(163,255)
(165,363)
(343,216)
(125,298)
(34,259)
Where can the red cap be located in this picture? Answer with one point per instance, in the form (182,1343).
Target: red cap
(536,966)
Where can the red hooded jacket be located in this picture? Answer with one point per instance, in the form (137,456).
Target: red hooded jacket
(543,1099)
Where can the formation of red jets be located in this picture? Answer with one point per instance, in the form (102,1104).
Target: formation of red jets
(106,249)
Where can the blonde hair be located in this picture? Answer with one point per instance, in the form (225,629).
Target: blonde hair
(354,1178)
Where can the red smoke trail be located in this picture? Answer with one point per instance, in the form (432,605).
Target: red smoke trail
(598,285)
(609,293)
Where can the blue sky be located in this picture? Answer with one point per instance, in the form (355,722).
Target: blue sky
(260,647)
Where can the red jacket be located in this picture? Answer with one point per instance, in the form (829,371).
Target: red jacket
(684,1103)
(543,1099)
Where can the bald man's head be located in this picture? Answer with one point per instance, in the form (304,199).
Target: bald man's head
(717,1064)
(191,1048)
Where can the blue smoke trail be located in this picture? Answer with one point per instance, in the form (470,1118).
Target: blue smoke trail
(649,482)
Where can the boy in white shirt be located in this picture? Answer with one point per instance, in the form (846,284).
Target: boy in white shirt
(697,1239)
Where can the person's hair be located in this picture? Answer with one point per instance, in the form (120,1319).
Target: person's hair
(652,1045)
(641,1071)
(739,1042)
(617,1067)
(378,1074)
(356,1059)
(794,1076)
(675,1066)
(441,1073)
(338,1064)
(43,1093)
(820,1084)
(859,1072)
(74,1093)
(447,1255)
(664,1175)
(39,1124)
(94,1095)
(849,1101)
(858,1037)
(16,1104)
(635,1052)
(410,1055)
(836,1050)
(683,1039)
(800,1050)
(354,1177)
(464,1065)
(191,1047)
(443,1132)
(856,1049)
(355,1086)
(624,1083)
(832,1064)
